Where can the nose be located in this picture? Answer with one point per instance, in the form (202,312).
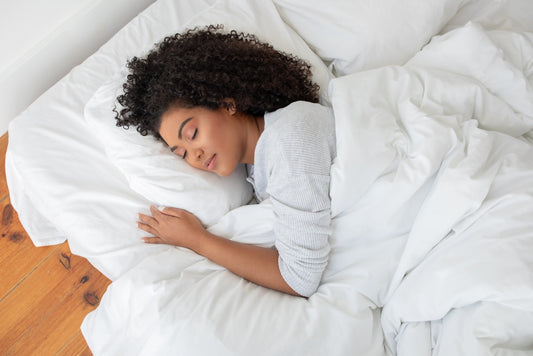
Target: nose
(197,154)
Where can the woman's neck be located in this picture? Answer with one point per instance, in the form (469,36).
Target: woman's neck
(254,129)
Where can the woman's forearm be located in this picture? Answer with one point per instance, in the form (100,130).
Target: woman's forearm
(254,263)
(180,228)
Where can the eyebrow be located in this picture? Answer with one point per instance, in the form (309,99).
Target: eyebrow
(173,148)
(182,126)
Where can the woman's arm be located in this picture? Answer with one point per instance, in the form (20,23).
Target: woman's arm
(180,228)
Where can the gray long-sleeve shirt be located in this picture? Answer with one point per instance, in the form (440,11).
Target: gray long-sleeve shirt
(292,165)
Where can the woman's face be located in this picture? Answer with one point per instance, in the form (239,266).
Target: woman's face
(211,140)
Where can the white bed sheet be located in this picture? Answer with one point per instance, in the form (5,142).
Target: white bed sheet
(450,173)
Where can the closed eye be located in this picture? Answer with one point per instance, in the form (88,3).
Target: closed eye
(192,138)
(184,154)
(179,151)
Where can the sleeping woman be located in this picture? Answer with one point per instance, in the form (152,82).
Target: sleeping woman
(220,99)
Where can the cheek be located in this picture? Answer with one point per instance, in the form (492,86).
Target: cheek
(219,141)
(196,164)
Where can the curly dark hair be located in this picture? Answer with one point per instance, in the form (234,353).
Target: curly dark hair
(202,67)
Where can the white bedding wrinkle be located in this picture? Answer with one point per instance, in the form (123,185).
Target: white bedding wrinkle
(432,194)
(42,231)
(365,35)
(481,196)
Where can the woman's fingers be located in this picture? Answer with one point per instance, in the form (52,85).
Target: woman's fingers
(149,229)
(170,211)
(153,240)
(147,219)
(170,226)
(150,239)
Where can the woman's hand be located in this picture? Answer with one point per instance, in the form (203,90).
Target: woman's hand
(172,226)
(180,228)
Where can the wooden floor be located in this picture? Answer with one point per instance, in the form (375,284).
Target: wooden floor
(45,292)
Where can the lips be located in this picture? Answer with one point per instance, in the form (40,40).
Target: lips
(210,163)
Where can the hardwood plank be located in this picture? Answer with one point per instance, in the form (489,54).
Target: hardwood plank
(75,346)
(3,149)
(55,296)
(32,300)
(18,256)
(64,321)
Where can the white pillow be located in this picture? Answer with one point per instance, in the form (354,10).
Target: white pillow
(150,168)
(158,174)
(356,35)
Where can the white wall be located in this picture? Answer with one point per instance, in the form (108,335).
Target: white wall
(41,41)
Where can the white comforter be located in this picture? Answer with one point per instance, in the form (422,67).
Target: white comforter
(445,173)
(432,195)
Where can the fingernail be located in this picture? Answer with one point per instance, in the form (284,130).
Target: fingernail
(160,208)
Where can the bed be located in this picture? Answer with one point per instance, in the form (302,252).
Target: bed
(432,187)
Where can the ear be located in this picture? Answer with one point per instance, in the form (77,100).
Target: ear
(229,104)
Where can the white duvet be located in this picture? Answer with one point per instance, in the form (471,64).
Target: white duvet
(432,244)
